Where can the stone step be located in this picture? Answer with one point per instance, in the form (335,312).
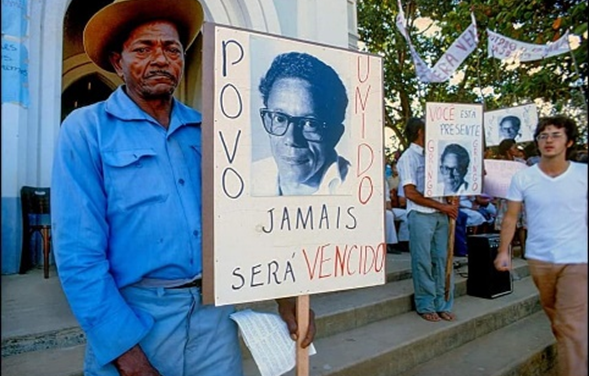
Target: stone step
(61,353)
(344,310)
(62,361)
(524,348)
(44,321)
(373,349)
(397,344)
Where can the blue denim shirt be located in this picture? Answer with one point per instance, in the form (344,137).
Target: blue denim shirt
(126,205)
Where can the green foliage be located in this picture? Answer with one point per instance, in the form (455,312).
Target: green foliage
(560,80)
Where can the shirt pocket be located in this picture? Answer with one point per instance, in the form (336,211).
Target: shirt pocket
(134,178)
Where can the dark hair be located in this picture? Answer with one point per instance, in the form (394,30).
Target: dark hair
(327,89)
(560,122)
(530,150)
(412,128)
(505,146)
(514,120)
(461,155)
(581,156)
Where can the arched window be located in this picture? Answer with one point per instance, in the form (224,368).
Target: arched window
(87,90)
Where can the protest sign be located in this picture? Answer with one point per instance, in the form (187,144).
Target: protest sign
(453,149)
(517,123)
(260,239)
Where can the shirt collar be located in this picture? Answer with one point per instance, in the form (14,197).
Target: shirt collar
(417,148)
(120,105)
(334,177)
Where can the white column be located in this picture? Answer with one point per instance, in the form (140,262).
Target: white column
(49,67)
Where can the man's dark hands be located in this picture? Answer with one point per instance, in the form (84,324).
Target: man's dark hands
(287,309)
(135,363)
(450,210)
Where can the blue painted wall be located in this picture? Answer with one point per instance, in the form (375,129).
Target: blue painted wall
(11,234)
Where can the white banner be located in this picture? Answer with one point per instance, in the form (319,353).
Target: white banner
(450,61)
(502,47)
(498,174)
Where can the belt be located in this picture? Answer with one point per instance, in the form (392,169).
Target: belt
(196,283)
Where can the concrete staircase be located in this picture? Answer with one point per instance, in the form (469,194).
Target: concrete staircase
(364,332)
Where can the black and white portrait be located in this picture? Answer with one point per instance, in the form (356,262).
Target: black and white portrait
(454,164)
(303,112)
(509,127)
(517,123)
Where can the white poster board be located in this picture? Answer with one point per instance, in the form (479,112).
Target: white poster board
(259,241)
(453,149)
(518,123)
(498,174)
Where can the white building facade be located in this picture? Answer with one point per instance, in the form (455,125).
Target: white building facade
(46,74)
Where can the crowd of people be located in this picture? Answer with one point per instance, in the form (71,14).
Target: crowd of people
(546,206)
(145,316)
(477,214)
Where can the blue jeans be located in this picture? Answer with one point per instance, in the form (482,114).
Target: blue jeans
(187,339)
(428,243)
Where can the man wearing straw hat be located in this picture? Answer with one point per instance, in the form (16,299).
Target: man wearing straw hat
(126,201)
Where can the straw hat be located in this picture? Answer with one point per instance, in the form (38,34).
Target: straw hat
(122,15)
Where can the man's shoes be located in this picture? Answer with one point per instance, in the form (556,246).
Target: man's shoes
(392,249)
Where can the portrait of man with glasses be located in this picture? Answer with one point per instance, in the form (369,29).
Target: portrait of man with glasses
(454,163)
(509,127)
(304,104)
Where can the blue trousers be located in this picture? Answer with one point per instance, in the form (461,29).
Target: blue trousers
(187,339)
(428,242)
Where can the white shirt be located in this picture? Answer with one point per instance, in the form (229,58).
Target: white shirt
(265,178)
(556,213)
(411,167)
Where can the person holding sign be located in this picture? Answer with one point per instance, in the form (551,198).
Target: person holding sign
(304,109)
(428,230)
(555,194)
(126,201)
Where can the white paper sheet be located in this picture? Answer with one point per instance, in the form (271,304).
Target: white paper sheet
(266,336)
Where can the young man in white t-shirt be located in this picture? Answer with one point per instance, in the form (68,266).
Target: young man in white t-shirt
(555,194)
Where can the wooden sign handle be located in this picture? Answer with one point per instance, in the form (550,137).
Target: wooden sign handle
(303,307)
(450,251)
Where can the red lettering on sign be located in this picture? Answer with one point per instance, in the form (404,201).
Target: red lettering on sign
(345,260)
